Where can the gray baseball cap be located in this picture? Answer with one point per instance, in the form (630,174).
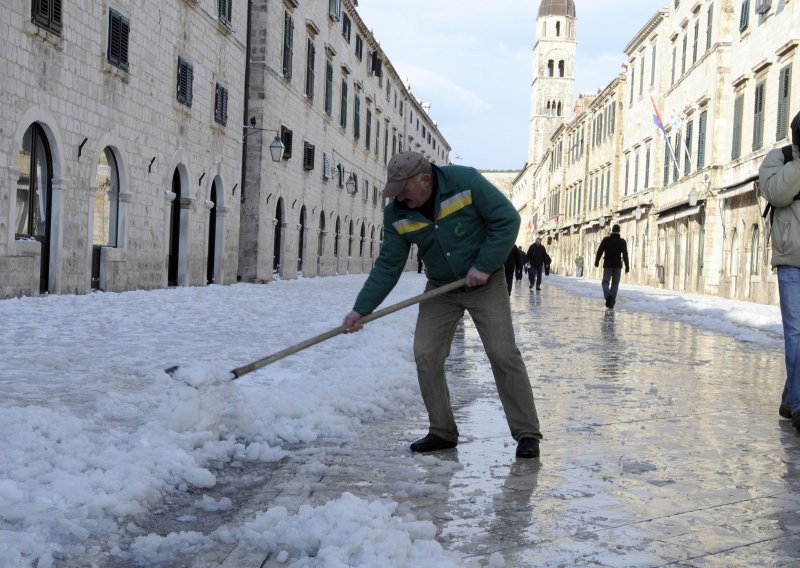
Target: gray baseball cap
(402,167)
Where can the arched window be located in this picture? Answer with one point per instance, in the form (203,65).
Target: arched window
(300,238)
(372,243)
(559,109)
(755,248)
(362,242)
(558,29)
(350,240)
(734,264)
(550,68)
(561,68)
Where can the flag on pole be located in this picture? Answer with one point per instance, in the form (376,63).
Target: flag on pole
(660,124)
(456,156)
(657,120)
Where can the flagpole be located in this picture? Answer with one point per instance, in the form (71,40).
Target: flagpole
(660,125)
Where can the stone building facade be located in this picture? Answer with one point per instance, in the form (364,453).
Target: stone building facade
(121,148)
(720,77)
(322,83)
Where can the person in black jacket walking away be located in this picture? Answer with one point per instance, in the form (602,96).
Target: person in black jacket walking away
(537,257)
(615,250)
(513,265)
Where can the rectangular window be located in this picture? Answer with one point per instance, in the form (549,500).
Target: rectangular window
(636,172)
(359,47)
(696,40)
(311,54)
(738,115)
(225,12)
(185,79)
(343,106)
(368,129)
(288,43)
(758,117)
(346,27)
(47,14)
(687,141)
(286,138)
(683,55)
(677,157)
(653,66)
(784,90)
(118,31)
(674,62)
(328,87)
(633,81)
(308,156)
(647,168)
(627,173)
(221,105)
(641,75)
(701,140)
(377,135)
(667,160)
(744,15)
(608,187)
(335,10)
(356,117)
(709,26)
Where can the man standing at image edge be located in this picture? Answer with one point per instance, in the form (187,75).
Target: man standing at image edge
(615,250)
(779,179)
(464,227)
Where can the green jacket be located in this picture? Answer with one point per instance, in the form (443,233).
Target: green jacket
(476,225)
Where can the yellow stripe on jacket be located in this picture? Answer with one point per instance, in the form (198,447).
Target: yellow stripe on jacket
(455,203)
(408,226)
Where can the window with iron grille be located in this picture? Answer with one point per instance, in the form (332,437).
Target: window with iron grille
(311,54)
(784,89)
(221,105)
(225,11)
(286,138)
(118,30)
(185,79)
(288,45)
(758,117)
(738,115)
(308,156)
(47,14)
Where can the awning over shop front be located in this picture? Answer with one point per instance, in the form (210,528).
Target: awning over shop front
(590,225)
(748,186)
(678,214)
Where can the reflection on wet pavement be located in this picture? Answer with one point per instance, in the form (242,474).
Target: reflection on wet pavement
(662,446)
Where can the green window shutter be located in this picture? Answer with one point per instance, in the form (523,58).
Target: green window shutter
(758,117)
(701,140)
(784,90)
(687,163)
(744,17)
(738,115)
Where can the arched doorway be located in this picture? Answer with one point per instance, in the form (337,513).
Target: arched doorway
(174,231)
(35,196)
(276,251)
(321,242)
(106,211)
(212,235)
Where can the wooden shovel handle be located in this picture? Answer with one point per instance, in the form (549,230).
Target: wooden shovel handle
(244,369)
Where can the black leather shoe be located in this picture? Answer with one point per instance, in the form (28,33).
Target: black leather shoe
(796,419)
(432,443)
(785,411)
(528,448)
(608,301)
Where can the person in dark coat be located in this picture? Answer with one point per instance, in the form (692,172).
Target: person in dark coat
(615,252)
(513,265)
(521,261)
(537,257)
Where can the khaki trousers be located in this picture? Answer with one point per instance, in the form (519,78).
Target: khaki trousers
(489,307)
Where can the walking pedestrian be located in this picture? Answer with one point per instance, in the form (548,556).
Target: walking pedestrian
(520,262)
(537,257)
(513,266)
(779,179)
(464,227)
(615,252)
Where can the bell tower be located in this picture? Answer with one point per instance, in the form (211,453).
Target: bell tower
(553,73)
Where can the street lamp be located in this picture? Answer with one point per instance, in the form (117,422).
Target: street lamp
(694,195)
(350,184)
(276,148)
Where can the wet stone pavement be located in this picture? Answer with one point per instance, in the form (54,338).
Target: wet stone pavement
(663,446)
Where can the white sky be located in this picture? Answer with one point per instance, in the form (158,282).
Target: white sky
(93,429)
(472,60)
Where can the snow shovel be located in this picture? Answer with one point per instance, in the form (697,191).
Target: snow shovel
(250,367)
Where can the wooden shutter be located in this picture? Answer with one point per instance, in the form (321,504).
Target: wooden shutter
(701,140)
(119,29)
(687,164)
(308,156)
(744,17)
(288,39)
(784,89)
(286,138)
(758,117)
(738,114)
(221,105)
